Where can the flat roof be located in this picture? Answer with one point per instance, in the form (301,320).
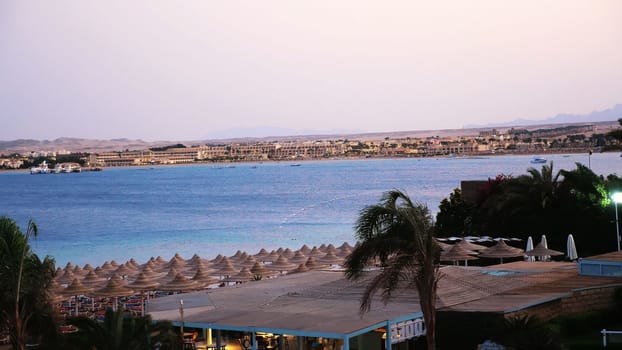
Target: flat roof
(324,303)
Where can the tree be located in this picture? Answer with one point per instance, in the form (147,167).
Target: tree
(25,300)
(117,332)
(455,215)
(400,235)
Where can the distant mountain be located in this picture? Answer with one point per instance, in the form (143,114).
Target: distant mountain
(72,144)
(611,114)
(263,132)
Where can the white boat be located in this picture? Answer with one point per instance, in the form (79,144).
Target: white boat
(41,169)
(537,160)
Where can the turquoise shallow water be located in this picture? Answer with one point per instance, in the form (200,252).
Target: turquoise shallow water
(121,213)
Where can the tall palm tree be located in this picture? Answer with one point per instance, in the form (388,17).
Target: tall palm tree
(25,302)
(399,234)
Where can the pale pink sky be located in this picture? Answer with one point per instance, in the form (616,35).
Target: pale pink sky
(183,70)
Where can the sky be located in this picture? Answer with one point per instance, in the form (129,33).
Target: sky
(196,69)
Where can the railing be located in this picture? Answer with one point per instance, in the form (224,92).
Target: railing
(617,337)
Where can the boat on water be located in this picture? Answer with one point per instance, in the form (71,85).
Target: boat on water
(537,160)
(41,169)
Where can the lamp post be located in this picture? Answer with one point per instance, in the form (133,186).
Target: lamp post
(617,197)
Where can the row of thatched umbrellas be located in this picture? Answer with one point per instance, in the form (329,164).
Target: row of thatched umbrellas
(465,250)
(115,280)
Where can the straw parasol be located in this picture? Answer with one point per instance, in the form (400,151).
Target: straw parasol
(66,277)
(304,249)
(345,245)
(262,255)
(312,263)
(458,253)
(281,264)
(226,268)
(501,250)
(180,284)
(288,253)
(202,277)
(259,269)
(149,273)
(444,246)
(169,276)
(315,252)
(273,256)
(330,258)
(343,252)
(243,276)
(301,268)
(77,270)
(466,244)
(75,289)
(115,288)
(125,271)
(249,261)
(541,251)
(571,248)
(298,258)
(143,284)
(93,280)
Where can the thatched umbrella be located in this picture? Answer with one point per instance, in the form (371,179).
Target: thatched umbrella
(299,269)
(288,253)
(315,252)
(66,277)
(466,244)
(273,256)
(77,270)
(217,259)
(343,252)
(149,273)
(181,284)
(304,249)
(75,289)
(444,246)
(243,276)
(202,277)
(501,250)
(115,288)
(262,254)
(541,251)
(457,253)
(143,284)
(330,259)
(298,258)
(169,276)
(260,270)
(226,268)
(281,264)
(249,261)
(133,264)
(124,271)
(312,263)
(93,280)
(345,245)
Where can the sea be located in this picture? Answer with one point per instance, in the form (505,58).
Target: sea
(143,212)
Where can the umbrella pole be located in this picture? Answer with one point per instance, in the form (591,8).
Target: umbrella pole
(76,301)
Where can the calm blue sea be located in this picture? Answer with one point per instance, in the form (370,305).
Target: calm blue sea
(121,213)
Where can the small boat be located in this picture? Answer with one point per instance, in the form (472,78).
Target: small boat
(537,160)
(41,169)
(295,164)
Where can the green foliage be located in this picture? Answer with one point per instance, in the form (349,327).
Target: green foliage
(528,333)
(25,303)
(551,203)
(400,235)
(455,216)
(118,332)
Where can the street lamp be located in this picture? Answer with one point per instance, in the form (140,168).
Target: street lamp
(617,198)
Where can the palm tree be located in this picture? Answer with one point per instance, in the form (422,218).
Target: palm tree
(400,234)
(25,303)
(118,332)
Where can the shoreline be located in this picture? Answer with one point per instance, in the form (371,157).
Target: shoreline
(302,160)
